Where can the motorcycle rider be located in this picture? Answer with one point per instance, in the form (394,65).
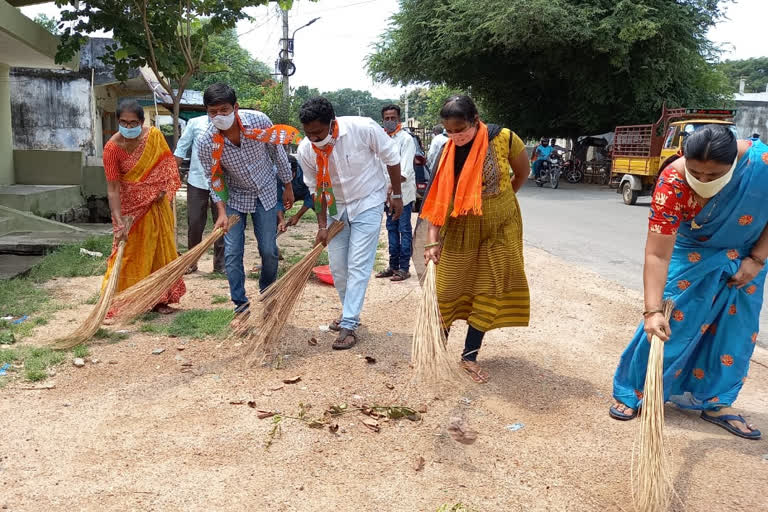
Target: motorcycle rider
(540,155)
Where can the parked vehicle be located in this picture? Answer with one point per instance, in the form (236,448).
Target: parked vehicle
(550,171)
(641,152)
(422,179)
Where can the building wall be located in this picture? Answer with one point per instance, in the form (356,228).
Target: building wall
(752,117)
(51,110)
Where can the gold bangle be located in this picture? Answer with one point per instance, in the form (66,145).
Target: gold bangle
(433,244)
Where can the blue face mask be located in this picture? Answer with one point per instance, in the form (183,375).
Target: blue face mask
(129,133)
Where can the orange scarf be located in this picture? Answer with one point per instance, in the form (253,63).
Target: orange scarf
(468,199)
(323,177)
(277,134)
(399,127)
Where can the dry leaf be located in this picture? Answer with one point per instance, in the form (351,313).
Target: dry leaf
(418,463)
(389,386)
(459,432)
(371,424)
(370,360)
(292,380)
(312,342)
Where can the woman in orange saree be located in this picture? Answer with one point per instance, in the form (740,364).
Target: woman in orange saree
(142,178)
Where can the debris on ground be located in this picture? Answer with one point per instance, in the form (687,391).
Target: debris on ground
(79,362)
(418,463)
(292,380)
(158,351)
(4,369)
(459,431)
(86,252)
(515,427)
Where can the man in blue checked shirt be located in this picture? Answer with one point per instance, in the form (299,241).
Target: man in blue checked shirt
(250,170)
(198,196)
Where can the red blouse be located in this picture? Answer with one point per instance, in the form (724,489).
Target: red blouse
(117,162)
(673,203)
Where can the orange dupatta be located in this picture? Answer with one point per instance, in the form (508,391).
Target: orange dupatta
(276,134)
(323,177)
(469,191)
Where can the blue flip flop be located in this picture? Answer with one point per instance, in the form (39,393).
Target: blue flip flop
(722,421)
(618,415)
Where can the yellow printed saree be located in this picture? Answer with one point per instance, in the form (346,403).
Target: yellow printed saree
(143,175)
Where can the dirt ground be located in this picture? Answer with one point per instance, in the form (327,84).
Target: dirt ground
(137,431)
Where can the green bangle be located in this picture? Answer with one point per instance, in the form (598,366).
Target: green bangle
(433,244)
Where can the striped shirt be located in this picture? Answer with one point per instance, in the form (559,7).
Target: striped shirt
(250,170)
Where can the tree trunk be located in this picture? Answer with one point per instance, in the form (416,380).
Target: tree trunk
(176,110)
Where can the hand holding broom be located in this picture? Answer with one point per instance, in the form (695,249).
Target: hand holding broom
(651,480)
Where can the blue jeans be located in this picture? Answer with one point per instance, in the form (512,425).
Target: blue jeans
(352,254)
(537,168)
(400,239)
(265,229)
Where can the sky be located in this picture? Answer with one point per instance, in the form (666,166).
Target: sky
(330,54)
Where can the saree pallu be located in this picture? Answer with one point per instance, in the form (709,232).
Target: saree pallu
(714,327)
(151,243)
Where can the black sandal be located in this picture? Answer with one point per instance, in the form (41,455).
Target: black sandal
(341,342)
(386,273)
(400,275)
(335,325)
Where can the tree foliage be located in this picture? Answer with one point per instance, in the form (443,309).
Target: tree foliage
(755,71)
(351,102)
(162,34)
(559,67)
(48,23)
(232,64)
(424,103)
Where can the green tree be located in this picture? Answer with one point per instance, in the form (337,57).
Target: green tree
(233,65)
(49,24)
(424,103)
(351,102)
(162,34)
(560,67)
(754,71)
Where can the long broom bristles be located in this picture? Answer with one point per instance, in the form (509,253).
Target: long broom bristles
(651,480)
(263,327)
(144,295)
(429,354)
(94,320)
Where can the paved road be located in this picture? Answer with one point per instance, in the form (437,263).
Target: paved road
(590,225)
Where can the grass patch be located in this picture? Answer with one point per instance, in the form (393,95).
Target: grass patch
(299,236)
(81,351)
(310,215)
(20,297)
(219,299)
(36,360)
(93,299)
(110,336)
(66,261)
(215,275)
(150,329)
(198,323)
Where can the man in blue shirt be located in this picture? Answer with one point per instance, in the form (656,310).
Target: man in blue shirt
(540,155)
(198,197)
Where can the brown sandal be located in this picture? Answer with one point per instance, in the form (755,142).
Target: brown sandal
(341,342)
(335,325)
(473,370)
(400,275)
(386,273)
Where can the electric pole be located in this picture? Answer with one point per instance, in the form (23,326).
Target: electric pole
(285,53)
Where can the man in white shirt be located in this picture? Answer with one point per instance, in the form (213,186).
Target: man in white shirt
(438,141)
(341,158)
(400,231)
(198,197)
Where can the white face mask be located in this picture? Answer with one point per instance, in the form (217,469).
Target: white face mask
(709,189)
(325,141)
(224,122)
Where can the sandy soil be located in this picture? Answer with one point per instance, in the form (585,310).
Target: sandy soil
(136,432)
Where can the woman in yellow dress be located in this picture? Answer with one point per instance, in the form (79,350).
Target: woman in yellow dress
(142,178)
(475,229)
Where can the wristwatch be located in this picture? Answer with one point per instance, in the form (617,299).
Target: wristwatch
(396,196)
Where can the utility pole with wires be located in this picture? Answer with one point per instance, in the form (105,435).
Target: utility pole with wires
(285,54)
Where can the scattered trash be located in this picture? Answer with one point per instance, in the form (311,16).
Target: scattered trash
(4,369)
(79,362)
(19,320)
(123,331)
(312,342)
(158,351)
(95,361)
(418,463)
(371,424)
(95,254)
(292,380)
(466,401)
(7,318)
(515,427)
(324,328)
(389,333)
(459,432)
(370,360)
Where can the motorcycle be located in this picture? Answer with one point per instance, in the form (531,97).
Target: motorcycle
(550,171)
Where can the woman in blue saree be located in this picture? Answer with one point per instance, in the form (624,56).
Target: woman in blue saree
(706,250)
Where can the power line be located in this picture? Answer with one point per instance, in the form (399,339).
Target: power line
(269,19)
(340,7)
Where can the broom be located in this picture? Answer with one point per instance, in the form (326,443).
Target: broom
(91,324)
(651,479)
(429,354)
(144,295)
(262,329)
